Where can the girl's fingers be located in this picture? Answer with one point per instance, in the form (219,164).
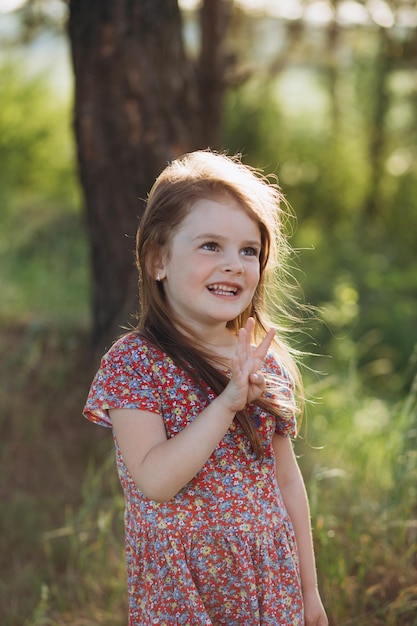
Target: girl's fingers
(256,386)
(247,357)
(256,378)
(241,349)
(247,361)
(250,325)
(262,350)
(246,338)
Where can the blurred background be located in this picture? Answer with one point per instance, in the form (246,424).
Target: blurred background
(96,97)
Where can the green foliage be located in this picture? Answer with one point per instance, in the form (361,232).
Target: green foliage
(36,145)
(44,267)
(362,488)
(43,251)
(358,269)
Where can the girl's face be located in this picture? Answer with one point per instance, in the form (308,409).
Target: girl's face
(210,269)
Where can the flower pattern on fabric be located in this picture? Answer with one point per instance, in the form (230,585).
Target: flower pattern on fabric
(222,552)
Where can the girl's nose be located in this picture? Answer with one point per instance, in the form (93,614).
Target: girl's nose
(233,264)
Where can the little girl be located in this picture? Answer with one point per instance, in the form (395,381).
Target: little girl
(200,399)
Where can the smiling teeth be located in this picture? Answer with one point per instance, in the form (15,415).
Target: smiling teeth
(223,289)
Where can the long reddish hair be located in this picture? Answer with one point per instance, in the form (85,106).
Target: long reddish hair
(210,175)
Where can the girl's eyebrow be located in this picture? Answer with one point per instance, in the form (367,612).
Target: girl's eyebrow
(209,236)
(218,237)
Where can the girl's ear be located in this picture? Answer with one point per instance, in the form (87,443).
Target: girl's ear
(156,265)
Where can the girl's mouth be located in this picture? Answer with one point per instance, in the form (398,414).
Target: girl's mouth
(220,289)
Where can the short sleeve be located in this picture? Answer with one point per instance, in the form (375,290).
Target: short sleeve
(125,380)
(280,389)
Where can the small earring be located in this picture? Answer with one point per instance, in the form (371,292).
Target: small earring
(158,277)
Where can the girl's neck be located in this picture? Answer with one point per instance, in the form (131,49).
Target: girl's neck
(221,344)
(223,347)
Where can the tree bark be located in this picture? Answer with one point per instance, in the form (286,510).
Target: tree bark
(136,108)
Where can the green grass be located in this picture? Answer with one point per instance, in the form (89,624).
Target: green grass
(44,266)
(363,493)
(61,535)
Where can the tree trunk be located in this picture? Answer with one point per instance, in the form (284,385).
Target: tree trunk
(136,108)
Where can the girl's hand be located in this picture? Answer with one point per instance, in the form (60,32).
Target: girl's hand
(247,383)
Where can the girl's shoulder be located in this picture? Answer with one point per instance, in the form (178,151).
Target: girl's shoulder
(274,364)
(134,347)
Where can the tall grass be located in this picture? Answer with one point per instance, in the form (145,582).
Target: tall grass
(362,482)
(86,552)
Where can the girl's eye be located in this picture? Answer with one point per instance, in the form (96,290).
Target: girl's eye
(211,246)
(249,251)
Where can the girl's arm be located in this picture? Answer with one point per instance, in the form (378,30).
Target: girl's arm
(294,495)
(160,466)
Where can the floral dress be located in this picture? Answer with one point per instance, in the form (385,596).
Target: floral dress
(222,552)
